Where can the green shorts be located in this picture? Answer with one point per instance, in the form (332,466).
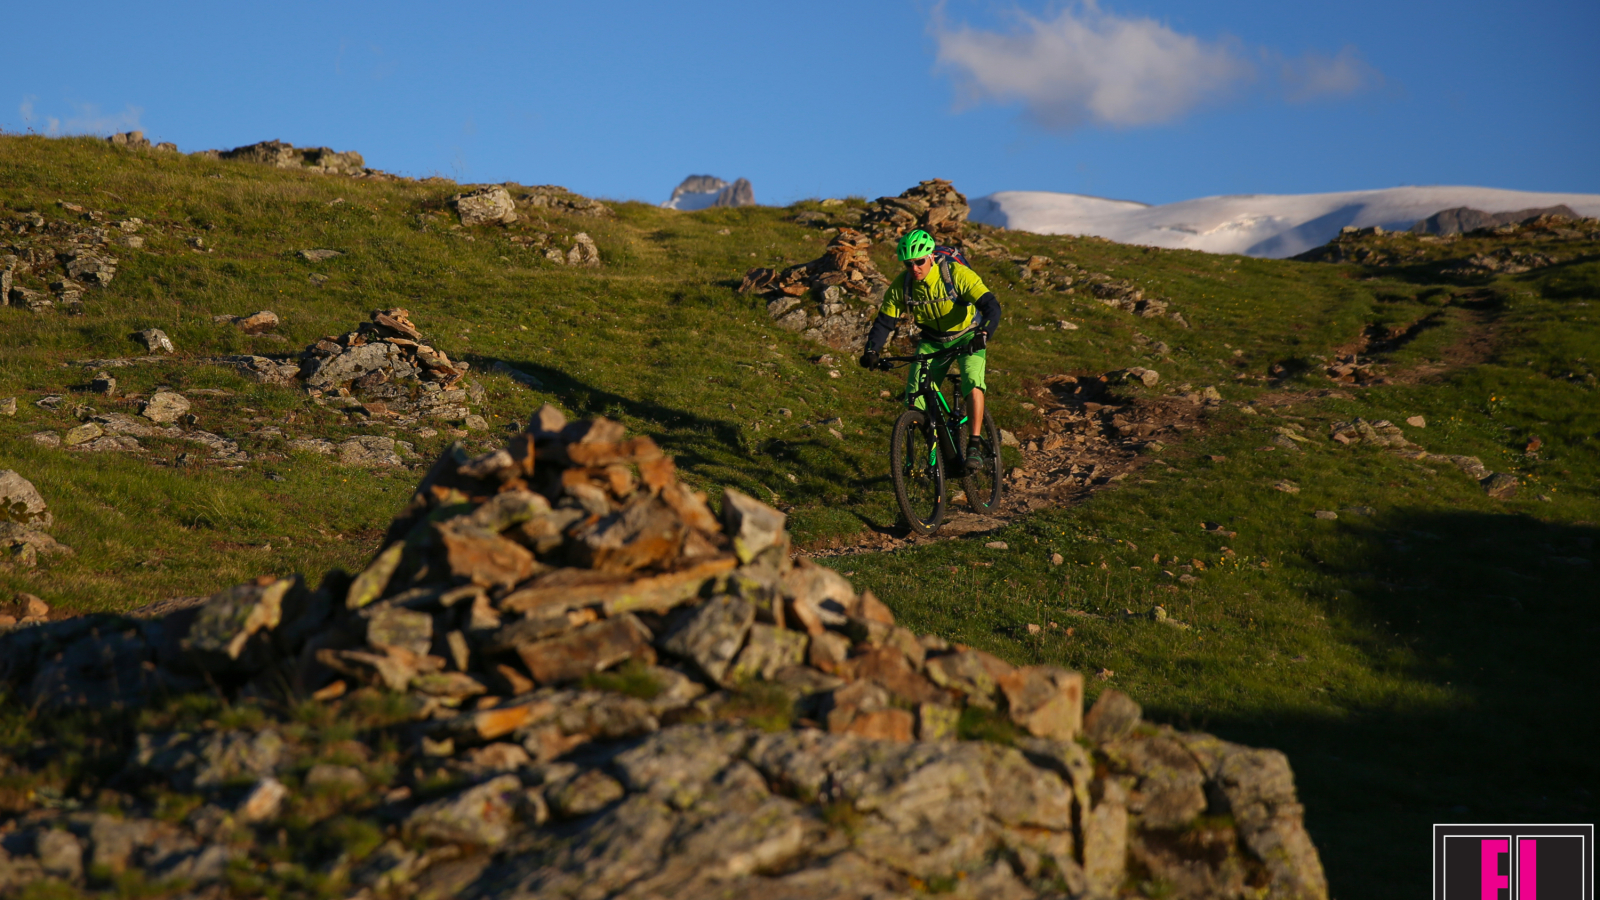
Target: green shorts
(972,367)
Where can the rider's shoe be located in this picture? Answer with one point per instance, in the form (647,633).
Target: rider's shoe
(974,457)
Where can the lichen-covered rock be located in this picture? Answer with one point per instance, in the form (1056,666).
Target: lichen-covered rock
(484,206)
(479,816)
(710,635)
(20,501)
(164,407)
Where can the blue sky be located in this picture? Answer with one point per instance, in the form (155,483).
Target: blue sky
(1133,99)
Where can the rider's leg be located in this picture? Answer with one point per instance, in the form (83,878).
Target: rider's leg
(973,367)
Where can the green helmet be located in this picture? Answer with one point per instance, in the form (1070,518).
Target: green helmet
(915,245)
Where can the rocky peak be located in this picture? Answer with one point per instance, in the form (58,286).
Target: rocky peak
(707,191)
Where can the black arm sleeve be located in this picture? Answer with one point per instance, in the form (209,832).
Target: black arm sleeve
(881,327)
(989,309)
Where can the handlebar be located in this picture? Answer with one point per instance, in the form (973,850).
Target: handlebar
(887,363)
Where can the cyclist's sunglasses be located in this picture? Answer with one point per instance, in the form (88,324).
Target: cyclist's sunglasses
(913,263)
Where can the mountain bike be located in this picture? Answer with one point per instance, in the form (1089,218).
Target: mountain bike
(924,439)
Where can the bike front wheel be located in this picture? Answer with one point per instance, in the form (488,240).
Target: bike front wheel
(983,483)
(917,467)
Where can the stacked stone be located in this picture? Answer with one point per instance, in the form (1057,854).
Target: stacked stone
(827,315)
(389,367)
(61,258)
(933,205)
(642,695)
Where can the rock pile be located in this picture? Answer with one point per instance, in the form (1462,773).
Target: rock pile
(933,205)
(386,368)
(50,263)
(629,693)
(815,299)
(24,518)
(279,154)
(135,140)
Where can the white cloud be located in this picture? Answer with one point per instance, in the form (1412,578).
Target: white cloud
(1319,75)
(87,119)
(1088,66)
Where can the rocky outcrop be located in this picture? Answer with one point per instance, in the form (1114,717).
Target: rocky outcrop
(832,299)
(1501,243)
(1462,219)
(556,199)
(53,263)
(624,692)
(708,191)
(284,155)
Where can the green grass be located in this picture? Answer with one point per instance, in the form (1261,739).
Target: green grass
(1425,663)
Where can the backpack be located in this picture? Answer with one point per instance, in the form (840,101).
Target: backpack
(944,258)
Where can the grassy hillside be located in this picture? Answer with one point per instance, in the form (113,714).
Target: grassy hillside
(1421,657)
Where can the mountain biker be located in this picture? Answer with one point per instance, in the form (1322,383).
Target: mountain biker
(951,307)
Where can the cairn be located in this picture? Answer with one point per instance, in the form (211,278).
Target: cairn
(628,691)
(933,205)
(386,367)
(815,298)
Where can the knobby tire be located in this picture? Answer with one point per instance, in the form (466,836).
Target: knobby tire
(983,486)
(918,472)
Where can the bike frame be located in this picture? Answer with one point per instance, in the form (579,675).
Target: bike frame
(947,418)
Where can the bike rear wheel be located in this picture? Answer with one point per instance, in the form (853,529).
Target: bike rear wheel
(983,484)
(917,468)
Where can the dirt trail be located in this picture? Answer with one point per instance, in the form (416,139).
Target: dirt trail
(1081,437)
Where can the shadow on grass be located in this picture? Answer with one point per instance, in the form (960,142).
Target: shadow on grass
(698,442)
(1495,612)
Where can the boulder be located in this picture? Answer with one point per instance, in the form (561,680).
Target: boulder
(485,206)
(20,501)
(164,407)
